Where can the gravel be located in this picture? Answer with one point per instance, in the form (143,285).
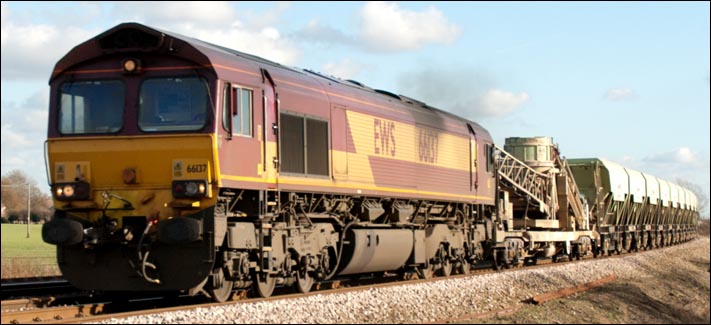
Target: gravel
(432,301)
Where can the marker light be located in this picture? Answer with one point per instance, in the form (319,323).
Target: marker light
(130,65)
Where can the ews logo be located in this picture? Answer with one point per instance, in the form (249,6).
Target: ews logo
(384,137)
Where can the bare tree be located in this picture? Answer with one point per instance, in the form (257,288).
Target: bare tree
(703,204)
(14,196)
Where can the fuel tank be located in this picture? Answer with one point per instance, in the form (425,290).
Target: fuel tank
(376,250)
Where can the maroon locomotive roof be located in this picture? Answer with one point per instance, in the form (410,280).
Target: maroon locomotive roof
(134,37)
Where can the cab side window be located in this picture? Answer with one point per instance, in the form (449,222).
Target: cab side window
(489,152)
(237,110)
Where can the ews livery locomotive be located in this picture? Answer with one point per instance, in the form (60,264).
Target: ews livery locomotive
(179,165)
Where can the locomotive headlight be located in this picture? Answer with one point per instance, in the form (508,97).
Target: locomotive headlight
(68,190)
(72,191)
(189,189)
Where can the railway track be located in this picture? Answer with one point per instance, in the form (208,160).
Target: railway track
(34,287)
(119,306)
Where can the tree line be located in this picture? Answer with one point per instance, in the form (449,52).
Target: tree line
(14,199)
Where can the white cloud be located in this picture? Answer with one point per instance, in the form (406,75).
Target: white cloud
(497,102)
(387,27)
(13,139)
(270,17)
(25,124)
(267,42)
(188,13)
(682,155)
(346,69)
(314,31)
(24,130)
(620,94)
(29,51)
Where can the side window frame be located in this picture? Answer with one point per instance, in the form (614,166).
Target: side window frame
(227,104)
(489,157)
(234,110)
(242,111)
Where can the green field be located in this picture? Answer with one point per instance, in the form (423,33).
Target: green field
(26,257)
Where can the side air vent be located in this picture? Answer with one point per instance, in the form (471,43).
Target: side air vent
(130,39)
(387,93)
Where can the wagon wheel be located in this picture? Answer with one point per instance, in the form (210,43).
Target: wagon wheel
(220,288)
(606,247)
(263,284)
(628,242)
(304,281)
(638,242)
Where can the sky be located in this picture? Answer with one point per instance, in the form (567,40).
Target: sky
(624,81)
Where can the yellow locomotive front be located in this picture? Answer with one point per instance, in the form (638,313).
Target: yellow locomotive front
(131,157)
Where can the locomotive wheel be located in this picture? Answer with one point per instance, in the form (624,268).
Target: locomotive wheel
(426,271)
(263,284)
(304,281)
(446,268)
(220,289)
(499,261)
(464,267)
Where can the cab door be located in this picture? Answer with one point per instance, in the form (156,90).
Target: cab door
(270,136)
(239,127)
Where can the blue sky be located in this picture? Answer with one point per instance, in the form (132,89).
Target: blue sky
(624,81)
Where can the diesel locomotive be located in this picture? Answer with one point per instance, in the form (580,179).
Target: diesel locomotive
(179,165)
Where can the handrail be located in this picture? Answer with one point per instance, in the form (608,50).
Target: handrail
(535,187)
(517,174)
